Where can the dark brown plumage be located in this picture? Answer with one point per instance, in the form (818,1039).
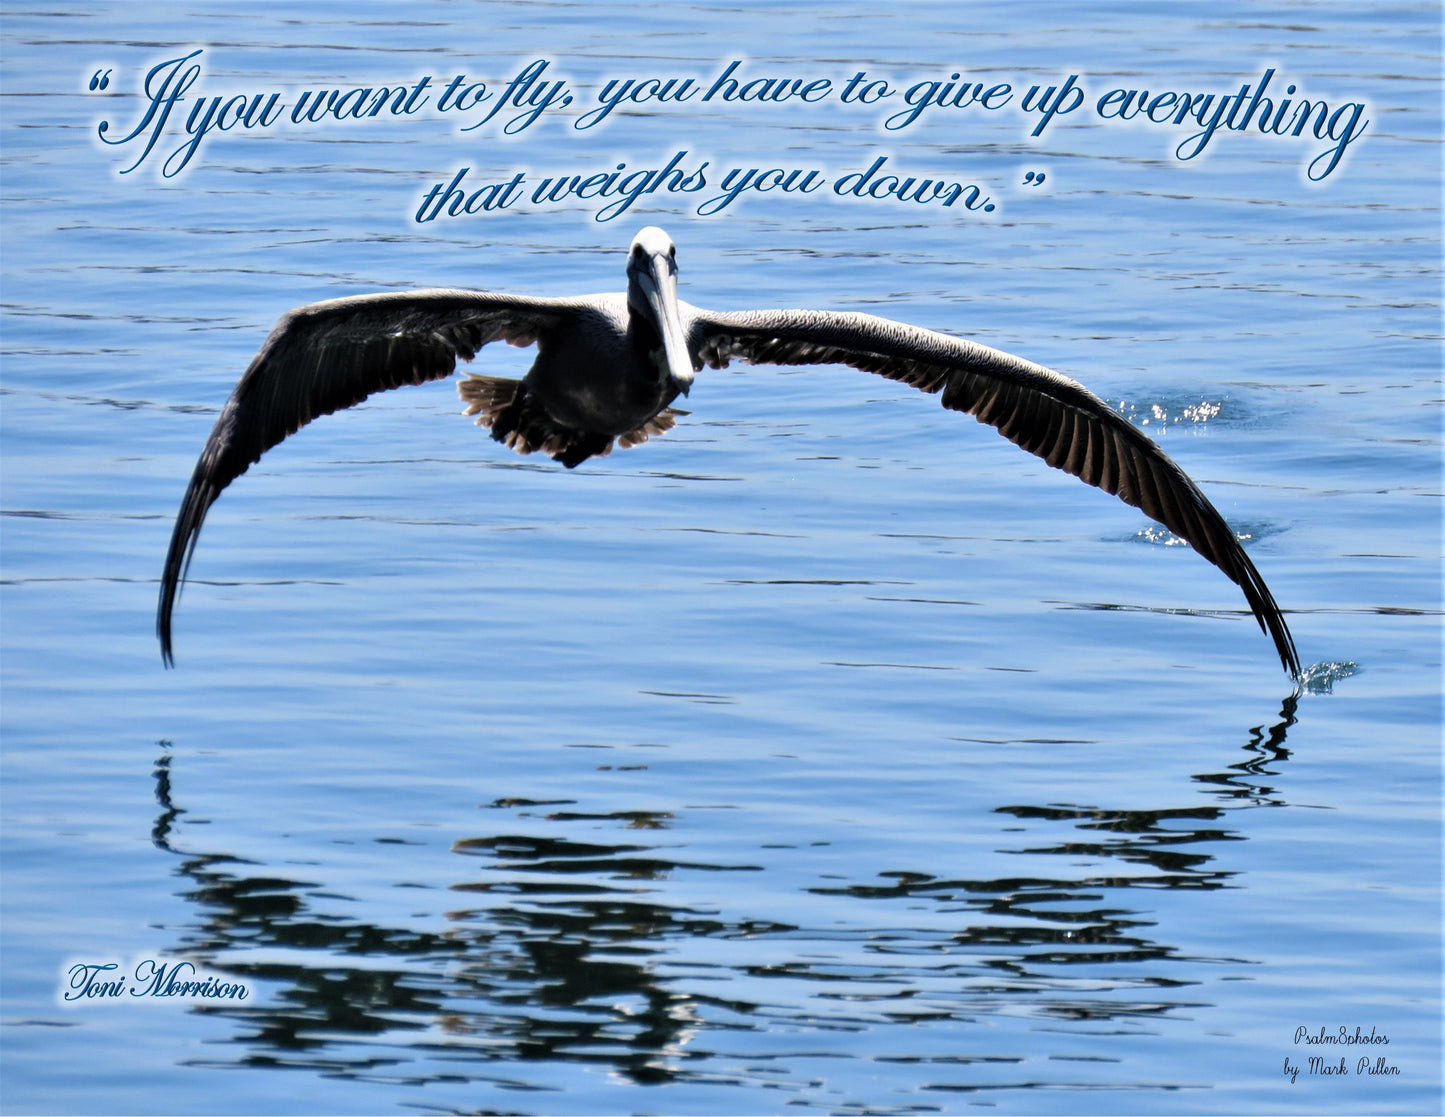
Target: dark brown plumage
(608,366)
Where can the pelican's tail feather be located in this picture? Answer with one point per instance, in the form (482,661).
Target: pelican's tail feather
(521,423)
(663,421)
(487,397)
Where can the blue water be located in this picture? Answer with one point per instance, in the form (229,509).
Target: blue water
(826,754)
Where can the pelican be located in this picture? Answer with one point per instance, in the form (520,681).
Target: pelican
(609,367)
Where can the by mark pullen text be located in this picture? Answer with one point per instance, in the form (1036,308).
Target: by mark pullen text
(1328,1066)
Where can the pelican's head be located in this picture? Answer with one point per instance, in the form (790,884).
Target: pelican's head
(652,297)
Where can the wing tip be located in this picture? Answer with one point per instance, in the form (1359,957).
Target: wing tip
(200,495)
(1267,613)
(170,589)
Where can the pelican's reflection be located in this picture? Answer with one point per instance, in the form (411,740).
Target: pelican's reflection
(568,945)
(1243,780)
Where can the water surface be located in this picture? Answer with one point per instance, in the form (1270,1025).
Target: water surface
(826,754)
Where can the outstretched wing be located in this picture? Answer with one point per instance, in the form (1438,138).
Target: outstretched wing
(1034,407)
(328,356)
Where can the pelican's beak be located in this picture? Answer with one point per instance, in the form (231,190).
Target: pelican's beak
(655,275)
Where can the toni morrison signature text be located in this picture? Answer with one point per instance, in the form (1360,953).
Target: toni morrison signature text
(147,978)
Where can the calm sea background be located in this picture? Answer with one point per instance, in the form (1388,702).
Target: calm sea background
(827,754)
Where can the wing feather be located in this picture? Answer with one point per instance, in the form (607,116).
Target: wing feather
(329,356)
(1045,413)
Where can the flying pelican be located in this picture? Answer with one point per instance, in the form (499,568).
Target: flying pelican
(609,366)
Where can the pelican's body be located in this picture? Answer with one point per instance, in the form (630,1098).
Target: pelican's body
(608,368)
(592,383)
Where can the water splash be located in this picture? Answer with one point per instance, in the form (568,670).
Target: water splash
(1167,412)
(1319,678)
